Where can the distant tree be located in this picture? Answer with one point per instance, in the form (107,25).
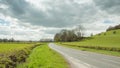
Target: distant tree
(104,33)
(110,28)
(30,41)
(113,28)
(114,32)
(11,40)
(1,40)
(5,40)
(99,34)
(91,34)
(67,35)
(57,37)
(71,36)
(117,26)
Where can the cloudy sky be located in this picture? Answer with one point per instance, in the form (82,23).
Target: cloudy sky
(36,19)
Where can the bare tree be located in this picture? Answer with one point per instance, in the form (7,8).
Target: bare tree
(69,35)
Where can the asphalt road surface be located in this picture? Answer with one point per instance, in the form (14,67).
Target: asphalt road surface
(84,59)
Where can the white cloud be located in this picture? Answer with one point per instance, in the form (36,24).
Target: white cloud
(36,19)
(21,31)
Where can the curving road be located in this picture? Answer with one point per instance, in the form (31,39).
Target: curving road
(83,59)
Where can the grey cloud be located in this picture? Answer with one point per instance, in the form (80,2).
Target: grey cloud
(110,6)
(16,7)
(61,13)
(33,22)
(52,31)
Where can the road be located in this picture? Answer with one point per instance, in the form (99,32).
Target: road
(84,59)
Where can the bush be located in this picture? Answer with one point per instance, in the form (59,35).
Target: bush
(104,33)
(114,32)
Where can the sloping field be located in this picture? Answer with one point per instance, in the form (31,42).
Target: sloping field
(107,41)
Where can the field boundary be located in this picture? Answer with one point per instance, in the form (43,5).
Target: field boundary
(96,47)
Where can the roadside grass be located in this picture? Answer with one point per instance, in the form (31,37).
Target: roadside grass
(105,43)
(43,57)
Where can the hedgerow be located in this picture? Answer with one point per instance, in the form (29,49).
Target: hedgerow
(97,47)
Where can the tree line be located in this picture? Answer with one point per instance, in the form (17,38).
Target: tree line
(13,40)
(69,35)
(7,40)
(113,28)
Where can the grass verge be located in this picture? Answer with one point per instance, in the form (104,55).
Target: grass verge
(112,53)
(43,57)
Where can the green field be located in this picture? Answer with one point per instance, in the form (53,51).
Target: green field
(43,57)
(25,55)
(11,47)
(106,42)
(13,53)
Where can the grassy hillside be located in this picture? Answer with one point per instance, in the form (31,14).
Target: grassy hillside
(108,41)
(44,57)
